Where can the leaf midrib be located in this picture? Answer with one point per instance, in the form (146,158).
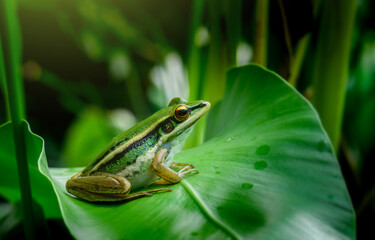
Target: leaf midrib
(207,212)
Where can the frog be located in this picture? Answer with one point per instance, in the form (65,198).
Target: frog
(141,156)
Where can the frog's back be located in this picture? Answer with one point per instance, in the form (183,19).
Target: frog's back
(124,150)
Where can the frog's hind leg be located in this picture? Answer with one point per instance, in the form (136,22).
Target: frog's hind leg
(106,187)
(99,188)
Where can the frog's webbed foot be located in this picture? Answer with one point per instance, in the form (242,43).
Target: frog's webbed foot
(168,176)
(148,193)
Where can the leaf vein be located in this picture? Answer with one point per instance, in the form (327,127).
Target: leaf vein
(205,209)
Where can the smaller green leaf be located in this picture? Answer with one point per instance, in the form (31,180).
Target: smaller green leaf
(9,185)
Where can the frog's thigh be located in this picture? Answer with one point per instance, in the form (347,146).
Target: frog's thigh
(106,187)
(99,188)
(167,174)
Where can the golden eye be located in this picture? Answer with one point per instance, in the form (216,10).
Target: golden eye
(181,112)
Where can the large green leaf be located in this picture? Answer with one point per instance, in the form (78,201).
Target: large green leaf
(267,171)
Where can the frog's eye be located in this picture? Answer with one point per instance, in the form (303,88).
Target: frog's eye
(181,112)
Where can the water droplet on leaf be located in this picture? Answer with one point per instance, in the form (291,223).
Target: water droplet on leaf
(253,138)
(231,138)
(263,150)
(321,145)
(260,165)
(247,185)
(194,234)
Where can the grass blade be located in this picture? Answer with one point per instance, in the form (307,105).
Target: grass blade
(12,62)
(261,23)
(3,83)
(332,64)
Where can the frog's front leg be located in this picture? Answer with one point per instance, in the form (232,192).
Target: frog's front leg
(168,176)
(105,187)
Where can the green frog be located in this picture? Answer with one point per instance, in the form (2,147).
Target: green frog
(141,156)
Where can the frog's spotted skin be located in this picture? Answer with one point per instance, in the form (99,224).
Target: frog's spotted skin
(139,156)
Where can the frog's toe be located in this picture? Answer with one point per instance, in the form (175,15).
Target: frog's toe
(182,173)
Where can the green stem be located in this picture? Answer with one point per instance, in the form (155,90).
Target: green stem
(195,52)
(217,63)
(135,93)
(261,26)
(288,41)
(233,23)
(332,62)
(212,88)
(296,64)
(12,60)
(300,53)
(196,67)
(3,84)
(207,65)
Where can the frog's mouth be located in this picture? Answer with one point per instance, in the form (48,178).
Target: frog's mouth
(196,112)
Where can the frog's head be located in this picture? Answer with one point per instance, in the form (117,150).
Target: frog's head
(182,116)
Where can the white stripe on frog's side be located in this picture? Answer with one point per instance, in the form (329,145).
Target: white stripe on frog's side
(141,173)
(123,147)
